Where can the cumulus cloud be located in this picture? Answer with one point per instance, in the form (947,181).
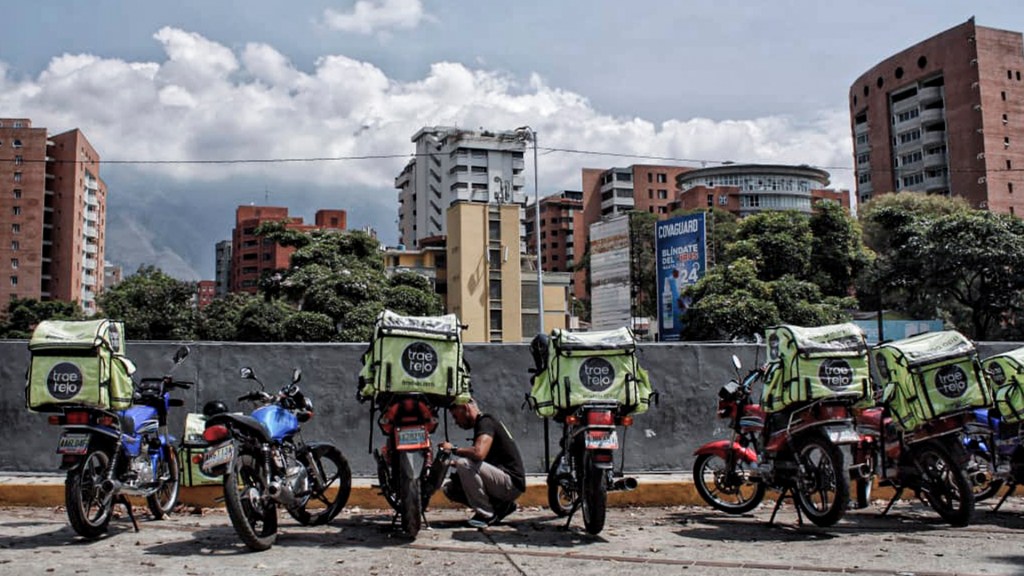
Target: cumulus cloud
(370,16)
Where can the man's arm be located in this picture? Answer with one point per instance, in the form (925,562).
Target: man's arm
(479,450)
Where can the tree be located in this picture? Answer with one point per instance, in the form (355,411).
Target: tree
(779,241)
(644,271)
(23,314)
(220,319)
(152,305)
(838,256)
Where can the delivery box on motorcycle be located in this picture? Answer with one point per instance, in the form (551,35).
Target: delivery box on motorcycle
(78,363)
(1006,373)
(930,375)
(588,366)
(823,362)
(416,354)
(193,446)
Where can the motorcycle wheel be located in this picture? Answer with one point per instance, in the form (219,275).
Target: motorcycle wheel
(824,492)
(254,517)
(595,499)
(945,486)
(327,499)
(89,511)
(733,491)
(161,503)
(410,499)
(561,489)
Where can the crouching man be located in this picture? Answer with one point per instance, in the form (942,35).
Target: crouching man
(489,475)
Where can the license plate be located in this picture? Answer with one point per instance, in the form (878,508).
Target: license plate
(218,456)
(73,444)
(412,437)
(844,436)
(601,439)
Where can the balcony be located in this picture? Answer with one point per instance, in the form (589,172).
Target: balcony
(91,249)
(904,105)
(934,137)
(89,263)
(936,183)
(860,128)
(91,232)
(933,115)
(930,94)
(935,160)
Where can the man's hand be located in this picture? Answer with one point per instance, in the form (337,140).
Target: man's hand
(446,447)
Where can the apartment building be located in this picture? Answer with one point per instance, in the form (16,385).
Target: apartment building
(945,116)
(746,189)
(52,215)
(562,236)
(251,255)
(222,269)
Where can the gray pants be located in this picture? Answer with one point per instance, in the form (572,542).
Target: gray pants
(482,485)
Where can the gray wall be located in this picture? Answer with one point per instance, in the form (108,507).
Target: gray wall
(687,376)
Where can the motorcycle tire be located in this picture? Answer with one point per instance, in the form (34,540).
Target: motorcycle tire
(595,499)
(733,491)
(162,502)
(945,486)
(328,498)
(410,498)
(823,493)
(561,489)
(88,510)
(253,517)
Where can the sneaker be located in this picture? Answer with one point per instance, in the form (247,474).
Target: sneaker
(481,520)
(504,510)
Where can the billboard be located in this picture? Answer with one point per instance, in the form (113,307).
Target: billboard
(681,249)
(610,282)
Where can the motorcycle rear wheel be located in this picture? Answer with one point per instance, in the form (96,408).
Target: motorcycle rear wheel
(561,490)
(945,486)
(89,510)
(595,499)
(253,516)
(326,500)
(162,502)
(824,492)
(733,491)
(410,499)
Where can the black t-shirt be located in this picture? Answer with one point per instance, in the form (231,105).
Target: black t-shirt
(504,453)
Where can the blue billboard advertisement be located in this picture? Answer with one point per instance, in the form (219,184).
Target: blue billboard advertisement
(681,248)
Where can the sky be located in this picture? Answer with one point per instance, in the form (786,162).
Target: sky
(320,98)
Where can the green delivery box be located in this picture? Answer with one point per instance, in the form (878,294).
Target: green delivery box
(416,354)
(78,363)
(819,363)
(930,375)
(588,366)
(1006,373)
(193,446)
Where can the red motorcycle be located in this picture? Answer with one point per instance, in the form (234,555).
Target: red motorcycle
(795,451)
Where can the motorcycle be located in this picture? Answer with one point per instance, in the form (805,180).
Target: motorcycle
(408,471)
(110,455)
(930,460)
(796,451)
(266,463)
(996,455)
(581,474)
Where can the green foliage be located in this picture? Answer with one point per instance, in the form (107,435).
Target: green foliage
(838,256)
(24,313)
(308,327)
(643,262)
(220,319)
(263,321)
(780,242)
(153,305)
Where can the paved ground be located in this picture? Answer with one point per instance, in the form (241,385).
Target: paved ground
(667,540)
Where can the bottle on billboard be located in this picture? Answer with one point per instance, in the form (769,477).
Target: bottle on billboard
(667,307)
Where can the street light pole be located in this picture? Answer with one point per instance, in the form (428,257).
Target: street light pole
(530,134)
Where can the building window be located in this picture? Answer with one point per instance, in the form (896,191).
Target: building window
(17,176)
(1009,187)
(662,194)
(711,199)
(14,263)
(16,210)
(650,177)
(662,178)
(1009,165)
(1001,94)
(17,124)
(18,161)
(15,228)
(650,194)
(14,280)
(17,192)
(15,246)
(17,143)
(1006,119)
(1006,142)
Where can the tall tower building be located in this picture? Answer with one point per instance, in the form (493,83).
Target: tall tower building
(945,116)
(222,275)
(454,165)
(562,236)
(52,215)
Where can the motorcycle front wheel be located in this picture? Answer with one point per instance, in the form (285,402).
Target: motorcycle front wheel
(730,489)
(161,503)
(253,516)
(331,492)
(823,490)
(89,509)
(595,499)
(945,485)
(561,489)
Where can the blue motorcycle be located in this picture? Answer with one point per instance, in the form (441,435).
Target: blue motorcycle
(110,455)
(265,463)
(996,451)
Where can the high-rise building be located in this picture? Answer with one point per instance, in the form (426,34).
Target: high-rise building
(746,189)
(453,165)
(206,291)
(222,281)
(251,255)
(562,236)
(945,116)
(52,215)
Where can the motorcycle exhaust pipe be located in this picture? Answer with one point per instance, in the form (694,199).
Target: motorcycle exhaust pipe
(624,484)
(862,470)
(981,478)
(110,486)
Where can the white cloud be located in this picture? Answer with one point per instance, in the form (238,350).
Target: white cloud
(369,16)
(203,102)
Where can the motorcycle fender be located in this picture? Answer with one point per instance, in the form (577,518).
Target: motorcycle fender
(721,448)
(96,442)
(412,462)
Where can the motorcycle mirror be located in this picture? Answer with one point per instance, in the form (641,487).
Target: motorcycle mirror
(181,354)
(246,373)
(296,375)
(736,362)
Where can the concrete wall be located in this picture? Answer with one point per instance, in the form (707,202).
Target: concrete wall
(687,376)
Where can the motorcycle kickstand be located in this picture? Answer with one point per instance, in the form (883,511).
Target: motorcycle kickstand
(895,497)
(778,504)
(568,520)
(1011,487)
(128,507)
